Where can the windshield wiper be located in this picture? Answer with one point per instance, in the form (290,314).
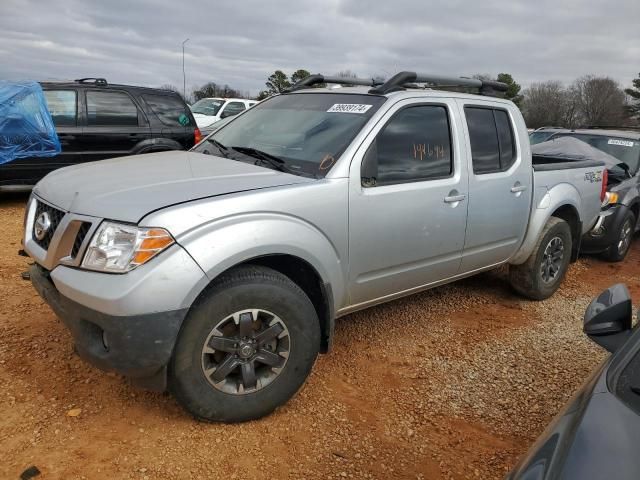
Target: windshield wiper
(275,162)
(223,150)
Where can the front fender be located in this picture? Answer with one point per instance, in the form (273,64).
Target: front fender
(546,202)
(223,243)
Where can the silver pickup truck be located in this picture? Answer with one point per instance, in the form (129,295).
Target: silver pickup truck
(218,273)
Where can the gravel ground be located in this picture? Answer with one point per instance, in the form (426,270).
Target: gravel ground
(454,383)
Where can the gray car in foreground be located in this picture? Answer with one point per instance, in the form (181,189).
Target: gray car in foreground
(219,272)
(597,435)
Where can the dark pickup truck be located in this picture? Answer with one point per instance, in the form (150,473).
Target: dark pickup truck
(618,220)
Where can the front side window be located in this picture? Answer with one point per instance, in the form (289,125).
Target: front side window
(414,146)
(111,109)
(492,141)
(62,106)
(305,132)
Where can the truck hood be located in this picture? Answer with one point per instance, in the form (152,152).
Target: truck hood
(129,188)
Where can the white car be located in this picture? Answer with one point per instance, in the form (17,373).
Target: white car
(209,110)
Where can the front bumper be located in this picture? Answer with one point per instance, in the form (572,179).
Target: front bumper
(606,231)
(138,346)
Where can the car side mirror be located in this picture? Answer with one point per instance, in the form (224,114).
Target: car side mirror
(607,320)
(369,167)
(226,114)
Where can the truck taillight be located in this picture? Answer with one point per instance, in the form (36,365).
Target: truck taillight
(605,180)
(197,136)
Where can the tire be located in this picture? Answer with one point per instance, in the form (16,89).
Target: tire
(272,302)
(529,279)
(618,251)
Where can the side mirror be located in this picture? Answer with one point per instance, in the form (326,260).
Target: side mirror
(369,167)
(607,320)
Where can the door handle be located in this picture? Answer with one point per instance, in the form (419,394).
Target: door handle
(454,198)
(518,188)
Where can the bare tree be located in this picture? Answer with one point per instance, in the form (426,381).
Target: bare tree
(545,104)
(600,100)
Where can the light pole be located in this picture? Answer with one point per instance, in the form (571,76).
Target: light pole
(184,76)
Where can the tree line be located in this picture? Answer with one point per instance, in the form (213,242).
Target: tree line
(587,101)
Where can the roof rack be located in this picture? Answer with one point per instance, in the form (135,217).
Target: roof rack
(403,80)
(612,127)
(97,81)
(317,79)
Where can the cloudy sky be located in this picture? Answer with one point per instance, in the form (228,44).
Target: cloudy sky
(241,42)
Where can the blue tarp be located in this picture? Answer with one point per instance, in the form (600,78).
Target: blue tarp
(26,127)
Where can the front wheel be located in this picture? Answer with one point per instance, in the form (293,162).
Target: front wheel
(247,346)
(618,250)
(541,275)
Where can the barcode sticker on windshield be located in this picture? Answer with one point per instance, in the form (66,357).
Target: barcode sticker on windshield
(623,143)
(349,108)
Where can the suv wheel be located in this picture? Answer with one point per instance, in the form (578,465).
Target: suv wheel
(541,275)
(617,251)
(247,346)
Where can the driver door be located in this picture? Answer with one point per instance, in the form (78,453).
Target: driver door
(407,202)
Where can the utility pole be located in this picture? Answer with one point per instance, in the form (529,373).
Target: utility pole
(184,75)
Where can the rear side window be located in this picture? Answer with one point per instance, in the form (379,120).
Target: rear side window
(110,109)
(415,145)
(62,106)
(492,143)
(169,109)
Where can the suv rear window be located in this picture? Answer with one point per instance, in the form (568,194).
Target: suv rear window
(170,109)
(110,109)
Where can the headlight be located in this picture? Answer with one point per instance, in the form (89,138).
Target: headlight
(610,198)
(118,248)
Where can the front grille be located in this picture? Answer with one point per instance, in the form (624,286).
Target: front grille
(55,216)
(82,233)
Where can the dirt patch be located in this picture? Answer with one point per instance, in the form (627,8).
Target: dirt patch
(451,383)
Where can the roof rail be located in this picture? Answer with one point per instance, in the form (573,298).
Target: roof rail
(401,80)
(316,79)
(97,81)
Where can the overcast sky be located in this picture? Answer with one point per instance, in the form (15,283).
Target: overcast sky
(241,42)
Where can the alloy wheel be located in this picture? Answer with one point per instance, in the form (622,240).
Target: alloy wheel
(246,351)
(552,260)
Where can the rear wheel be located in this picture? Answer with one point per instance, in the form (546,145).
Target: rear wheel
(541,275)
(618,251)
(246,348)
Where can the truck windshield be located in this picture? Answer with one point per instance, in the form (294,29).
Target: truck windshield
(307,132)
(624,149)
(207,106)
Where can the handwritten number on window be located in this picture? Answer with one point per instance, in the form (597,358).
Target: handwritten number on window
(427,151)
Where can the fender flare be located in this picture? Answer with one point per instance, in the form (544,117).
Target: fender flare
(546,203)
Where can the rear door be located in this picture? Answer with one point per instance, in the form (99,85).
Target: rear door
(114,124)
(499,186)
(407,215)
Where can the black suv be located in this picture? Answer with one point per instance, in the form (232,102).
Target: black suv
(97,120)
(620,215)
